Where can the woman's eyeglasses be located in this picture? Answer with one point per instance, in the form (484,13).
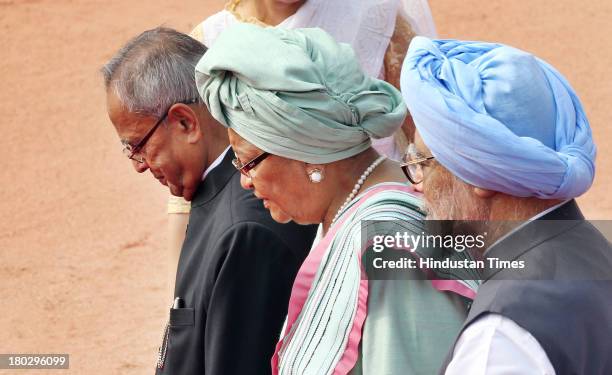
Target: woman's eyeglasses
(245,168)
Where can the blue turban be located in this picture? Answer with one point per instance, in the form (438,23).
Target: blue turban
(499,118)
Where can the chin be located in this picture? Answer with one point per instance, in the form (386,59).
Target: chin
(186,190)
(279,215)
(180,191)
(188,194)
(174,190)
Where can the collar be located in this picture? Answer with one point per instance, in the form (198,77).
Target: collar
(216,179)
(536,217)
(215,163)
(550,223)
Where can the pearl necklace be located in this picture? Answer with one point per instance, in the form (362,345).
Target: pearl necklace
(357,186)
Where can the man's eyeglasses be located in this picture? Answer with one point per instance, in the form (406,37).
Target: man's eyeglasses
(133,152)
(245,168)
(413,164)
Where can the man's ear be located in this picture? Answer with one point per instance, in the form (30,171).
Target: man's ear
(483,193)
(187,120)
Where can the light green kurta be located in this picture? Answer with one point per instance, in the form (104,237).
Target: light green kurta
(409,328)
(409,325)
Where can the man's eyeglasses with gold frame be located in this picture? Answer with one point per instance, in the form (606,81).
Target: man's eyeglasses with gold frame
(413,164)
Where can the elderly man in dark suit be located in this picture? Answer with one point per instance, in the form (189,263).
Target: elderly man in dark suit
(511,148)
(237,265)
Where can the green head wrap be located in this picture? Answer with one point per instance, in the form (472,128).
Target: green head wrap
(296,93)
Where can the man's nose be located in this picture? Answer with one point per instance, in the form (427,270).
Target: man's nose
(246,182)
(140,167)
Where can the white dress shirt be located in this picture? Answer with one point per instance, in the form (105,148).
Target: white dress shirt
(496,345)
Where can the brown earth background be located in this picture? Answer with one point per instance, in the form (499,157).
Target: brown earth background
(83,237)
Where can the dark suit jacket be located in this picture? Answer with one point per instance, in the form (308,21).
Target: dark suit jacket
(235,274)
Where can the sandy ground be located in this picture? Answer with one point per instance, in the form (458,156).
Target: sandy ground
(82,237)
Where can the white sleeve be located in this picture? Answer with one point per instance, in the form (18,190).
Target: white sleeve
(495,345)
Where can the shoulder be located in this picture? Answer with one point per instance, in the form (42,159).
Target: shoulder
(243,205)
(235,211)
(263,244)
(249,215)
(586,253)
(576,252)
(390,201)
(208,30)
(382,209)
(567,297)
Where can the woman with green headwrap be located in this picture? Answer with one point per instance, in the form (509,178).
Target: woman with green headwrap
(381,30)
(301,116)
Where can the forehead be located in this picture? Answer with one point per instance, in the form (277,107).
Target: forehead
(242,148)
(129,126)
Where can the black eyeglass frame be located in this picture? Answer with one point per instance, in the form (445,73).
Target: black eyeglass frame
(130,151)
(246,167)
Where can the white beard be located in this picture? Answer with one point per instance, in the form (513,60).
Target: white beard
(456,203)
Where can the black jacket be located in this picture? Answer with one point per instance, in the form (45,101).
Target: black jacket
(235,274)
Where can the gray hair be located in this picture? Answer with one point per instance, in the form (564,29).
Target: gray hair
(154,70)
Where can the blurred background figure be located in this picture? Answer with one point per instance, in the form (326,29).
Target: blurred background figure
(379,32)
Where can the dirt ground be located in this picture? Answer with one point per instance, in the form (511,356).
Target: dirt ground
(82,237)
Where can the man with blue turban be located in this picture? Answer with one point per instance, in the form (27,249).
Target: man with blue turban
(505,147)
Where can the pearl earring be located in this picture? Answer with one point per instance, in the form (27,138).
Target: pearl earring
(316,176)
